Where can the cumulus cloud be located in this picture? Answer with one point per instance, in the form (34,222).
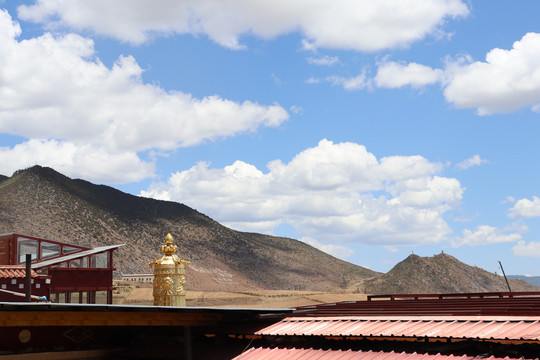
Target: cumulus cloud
(80,161)
(323,60)
(54,87)
(508,80)
(484,235)
(331,193)
(358,25)
(358,82)
(525,208)
(395,75)
(474,160)
(341,252)
(389,75)
(296,109)
(530,249)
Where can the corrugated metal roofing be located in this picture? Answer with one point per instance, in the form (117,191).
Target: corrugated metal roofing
(507,328)
(318,354)
(514,304)
(13,271)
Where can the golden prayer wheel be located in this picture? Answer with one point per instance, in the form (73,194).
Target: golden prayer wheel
(169,276)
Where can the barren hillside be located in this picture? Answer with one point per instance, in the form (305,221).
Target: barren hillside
(439,274)
(41,202)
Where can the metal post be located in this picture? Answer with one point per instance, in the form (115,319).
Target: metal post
(109,296)
(507,284)
(28,279)
(187,343)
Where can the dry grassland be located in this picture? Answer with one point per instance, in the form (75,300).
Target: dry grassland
(141,294)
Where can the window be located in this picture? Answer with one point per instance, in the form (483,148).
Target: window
(26,246)
(101,297)
(79,263)
(49,250)
(74,297)
(100,260)
(61,297)
(75,263)
(69,249)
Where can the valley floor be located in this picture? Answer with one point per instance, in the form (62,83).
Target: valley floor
(141,294)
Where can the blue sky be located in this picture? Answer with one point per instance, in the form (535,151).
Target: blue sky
(370,130)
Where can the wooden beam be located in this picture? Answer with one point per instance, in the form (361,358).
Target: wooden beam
(102,318)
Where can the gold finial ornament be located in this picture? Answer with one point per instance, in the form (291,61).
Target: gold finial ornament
(169,276)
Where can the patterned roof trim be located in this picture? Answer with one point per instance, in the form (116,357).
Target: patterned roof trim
(317,354)
(14,271)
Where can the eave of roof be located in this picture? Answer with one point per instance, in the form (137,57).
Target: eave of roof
(52,314)
(14,271)
(313,354)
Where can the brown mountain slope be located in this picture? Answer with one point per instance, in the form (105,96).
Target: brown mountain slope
(41,202)
(439,274)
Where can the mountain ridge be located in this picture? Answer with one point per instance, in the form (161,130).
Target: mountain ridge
(441,273)
(533,280)
(77,211)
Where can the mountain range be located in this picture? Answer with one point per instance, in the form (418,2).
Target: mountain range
(41,202)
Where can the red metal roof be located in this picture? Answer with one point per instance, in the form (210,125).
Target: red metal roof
(318,354)
(488,328)
(507,304)
(14,271)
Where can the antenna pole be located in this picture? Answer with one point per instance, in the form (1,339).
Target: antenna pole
(507,284)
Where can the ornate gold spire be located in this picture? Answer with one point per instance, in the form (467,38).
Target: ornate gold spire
(169,276)
(169,249)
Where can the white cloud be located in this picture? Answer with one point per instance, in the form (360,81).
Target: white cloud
(296,109)
(358,82)
(523,249)
(78,161)
(508,199)
(331,192)
(56,88)
(474,160)
(484,235)
(395,75)
(508,80)
(359,25)
(324,60)
(341,252)
(313,80)
(525,208)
